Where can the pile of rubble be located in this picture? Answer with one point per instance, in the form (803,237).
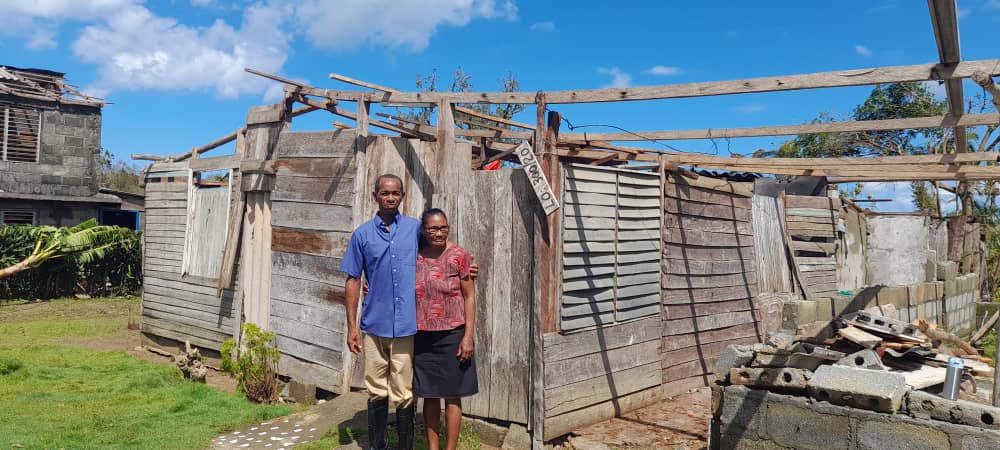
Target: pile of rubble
(872,362)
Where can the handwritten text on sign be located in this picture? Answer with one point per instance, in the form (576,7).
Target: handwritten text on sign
(537,178)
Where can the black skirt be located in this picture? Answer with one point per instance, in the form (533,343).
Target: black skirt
(437,372)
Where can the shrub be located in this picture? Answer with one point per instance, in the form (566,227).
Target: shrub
(254,364)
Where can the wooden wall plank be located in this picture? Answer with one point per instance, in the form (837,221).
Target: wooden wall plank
(318,144)
(672,281)
(677,206)
(701,337)
(560,347)
(705,238)
(522,256)
(499,184)
(564,372)
(707,196)
(317,243)
(309,373)
(710,224)
(709,294)
(682,266)
(324,190)
(595,390)
(681,311)
(309,217)
(709,322)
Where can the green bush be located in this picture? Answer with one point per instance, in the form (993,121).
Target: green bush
(254,364)
(119,272)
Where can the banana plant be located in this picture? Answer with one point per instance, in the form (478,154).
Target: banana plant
(82,244)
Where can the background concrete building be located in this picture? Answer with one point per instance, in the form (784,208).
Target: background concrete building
(50,154)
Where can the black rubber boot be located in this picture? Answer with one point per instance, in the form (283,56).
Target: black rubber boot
(378,417)
(404,423)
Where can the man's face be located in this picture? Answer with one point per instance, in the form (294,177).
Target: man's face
(389,195)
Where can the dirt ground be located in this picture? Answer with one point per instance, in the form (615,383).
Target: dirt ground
(129,342)
(677,423)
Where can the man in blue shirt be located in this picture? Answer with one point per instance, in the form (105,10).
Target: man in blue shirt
(384,250)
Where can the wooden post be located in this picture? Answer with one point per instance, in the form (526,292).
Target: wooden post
(996,372)
(264,125)
(540,282)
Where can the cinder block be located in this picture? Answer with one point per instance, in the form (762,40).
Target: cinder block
(924,405)
(743,415)
(980,442)
(947,270)
(896,295)
(930,267)
(951,287)
(798,426)
(824,309)
(798,312)
(894,435)
(734,356)
(781,378)
(804,356)
(844,305)
(864,359)
(861,388)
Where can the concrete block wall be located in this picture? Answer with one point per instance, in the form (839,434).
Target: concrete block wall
(960,298)
(898,249)
(757,419)
(68,159)
(950,304)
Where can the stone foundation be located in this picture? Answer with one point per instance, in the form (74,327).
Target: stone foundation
(745,418)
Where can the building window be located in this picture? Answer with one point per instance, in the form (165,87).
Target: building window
(611,267)
(21,131)
(207,222)
(17,217)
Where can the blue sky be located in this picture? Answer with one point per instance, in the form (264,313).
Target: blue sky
(173,70)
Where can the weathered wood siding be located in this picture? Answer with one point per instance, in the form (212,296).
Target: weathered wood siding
(611,246)
(311,204)
(208,214)
(181,308)
(773,272)
(495,216)
(815,224)
(710,278)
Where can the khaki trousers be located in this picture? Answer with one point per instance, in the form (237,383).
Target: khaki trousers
(389,368)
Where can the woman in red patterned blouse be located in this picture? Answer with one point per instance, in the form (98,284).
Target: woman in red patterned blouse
(443,365)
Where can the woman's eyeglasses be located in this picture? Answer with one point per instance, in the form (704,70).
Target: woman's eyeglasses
(437,230)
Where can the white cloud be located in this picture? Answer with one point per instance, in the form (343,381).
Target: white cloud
(862,50)
(135,49)
(750,108)
(42,38)
(543,26)
(619,78)
(346,24)
(662,70)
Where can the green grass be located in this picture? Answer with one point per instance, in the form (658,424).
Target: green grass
(60,396)
(58,321)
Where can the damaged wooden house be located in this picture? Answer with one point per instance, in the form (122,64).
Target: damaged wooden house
(611,276)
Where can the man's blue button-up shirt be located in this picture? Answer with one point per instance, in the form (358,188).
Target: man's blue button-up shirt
(388,260)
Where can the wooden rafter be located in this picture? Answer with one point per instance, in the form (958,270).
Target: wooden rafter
(858,77)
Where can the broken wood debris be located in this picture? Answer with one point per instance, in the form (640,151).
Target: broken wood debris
(873,362)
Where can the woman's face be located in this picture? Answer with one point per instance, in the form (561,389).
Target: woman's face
(435,230)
